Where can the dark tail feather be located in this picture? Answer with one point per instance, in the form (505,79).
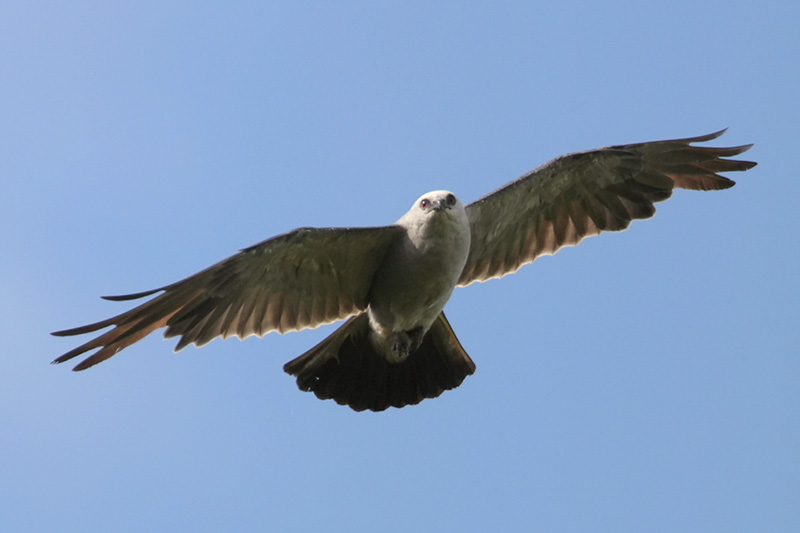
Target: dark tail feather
(346,368)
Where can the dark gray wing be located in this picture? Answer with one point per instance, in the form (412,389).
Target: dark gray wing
(583,194)
(298,280)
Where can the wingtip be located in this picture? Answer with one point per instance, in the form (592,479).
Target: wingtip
(707,137)
(83,365)
(134,296)
(711,136)
(61,359)
(76,368)
(80,330)
(746,147)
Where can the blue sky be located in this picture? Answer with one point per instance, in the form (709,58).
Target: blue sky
(642,381)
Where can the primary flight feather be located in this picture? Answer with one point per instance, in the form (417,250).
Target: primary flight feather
(392,282)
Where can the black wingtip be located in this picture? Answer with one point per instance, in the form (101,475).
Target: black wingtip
(747,165)
(135,296)
(66,332)
(76,368)
(67,356)
(80,330)
(711,136)
(61,359)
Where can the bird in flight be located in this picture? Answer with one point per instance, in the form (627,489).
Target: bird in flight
(391,283)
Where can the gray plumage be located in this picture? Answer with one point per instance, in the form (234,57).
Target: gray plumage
(397,348)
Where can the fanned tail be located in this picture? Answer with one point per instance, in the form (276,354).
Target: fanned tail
(346,368)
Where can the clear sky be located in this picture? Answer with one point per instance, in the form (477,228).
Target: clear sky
(642,381)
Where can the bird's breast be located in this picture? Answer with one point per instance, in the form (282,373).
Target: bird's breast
(416,279)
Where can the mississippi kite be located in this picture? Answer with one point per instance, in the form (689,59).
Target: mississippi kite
(392,282)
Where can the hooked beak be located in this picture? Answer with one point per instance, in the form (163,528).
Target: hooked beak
(441,205)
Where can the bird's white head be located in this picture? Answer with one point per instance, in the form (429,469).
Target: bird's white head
(434,209)
(437,201)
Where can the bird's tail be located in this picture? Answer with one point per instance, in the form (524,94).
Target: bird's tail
(346,367)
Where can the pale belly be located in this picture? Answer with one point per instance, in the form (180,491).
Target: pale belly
(408,294)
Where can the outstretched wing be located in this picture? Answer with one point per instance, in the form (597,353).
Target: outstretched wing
(583,194)
(298,280)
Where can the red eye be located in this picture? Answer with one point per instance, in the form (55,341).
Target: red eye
(424,203)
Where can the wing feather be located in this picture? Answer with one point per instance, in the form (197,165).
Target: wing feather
(298,280)
(582,194)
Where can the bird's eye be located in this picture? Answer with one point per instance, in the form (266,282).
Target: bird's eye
(451,199)
(424,203)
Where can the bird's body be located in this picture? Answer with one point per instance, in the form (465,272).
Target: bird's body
(393,282)
(416,278)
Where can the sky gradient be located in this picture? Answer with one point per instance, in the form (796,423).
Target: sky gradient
(642,381)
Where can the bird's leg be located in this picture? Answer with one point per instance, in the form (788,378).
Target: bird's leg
(407,342)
